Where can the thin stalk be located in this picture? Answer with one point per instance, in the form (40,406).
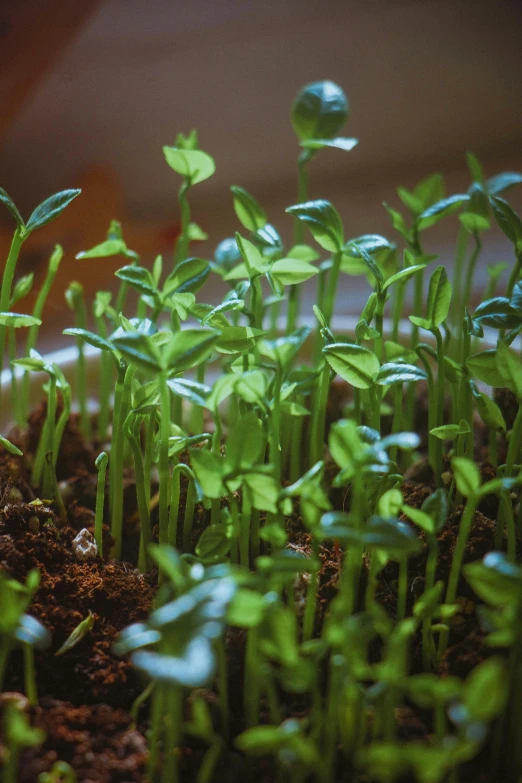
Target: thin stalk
(439,417)
(293,290)
(460,255)
(7,283)
(317,423)
(80,313)
(331,287)
(101,464)
(456,563)
(222,684)
(164,472)
(252,694)
(295,447)
(331,720)
(33,331)
(61,424)
(183,241)
(431,569)
(402,589)
(30,675)
(122,398)
(106,382)
(275,422)
(154,736)
(173,717)
(190,504)
(16,399)
(311,595)
(470,272)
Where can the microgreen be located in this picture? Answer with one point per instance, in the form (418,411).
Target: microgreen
(296,516)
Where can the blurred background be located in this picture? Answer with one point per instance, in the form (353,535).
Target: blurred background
(92,89)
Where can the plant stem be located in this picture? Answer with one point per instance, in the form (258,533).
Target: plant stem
(29,674)
(7,283)
(331,287)
(431,568)
(317,424)
(275,422)
(173,717)
(164,473)
(122,397)
(293,290)
(100,502)
(456,563)
(183,241)
(190,504)
(439,418)
(311,594)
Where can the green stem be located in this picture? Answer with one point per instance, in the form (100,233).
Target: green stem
(164,473)
(106,383)
(275,422)
(100,502)
(7,283)
(188,520)
(29,674)
(470,273)
(317,424)
(331,287)
(173,717)
(402,589)
(293,290)
(116,456)
(183,241)
(431,569)
(16,399)
(439,417)
(311,595)
(456,563)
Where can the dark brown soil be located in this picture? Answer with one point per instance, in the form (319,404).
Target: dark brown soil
(85,695)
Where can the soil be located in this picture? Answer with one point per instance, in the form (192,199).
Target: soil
(85,695)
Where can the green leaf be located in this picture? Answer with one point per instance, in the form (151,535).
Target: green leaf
(10,447)
(340,143)
(237,339)
(262,490)
(421,518)
(303,253)
(8,202)
(90,337)
(489,411)
(209,471)
(450,431)
(486,690)
(484,367)
(245,442)
(213,544)
(355,364)
(246,609)
(390,503)
(497,313)
(395,372)
(494,579)
(507,219)
(138,278)
(196,393)
(319,111)
(403,275)
(291,271)
(252,386)
(255,263)
(189,347)
(397,221)
(192,669)
(195,165)
(249,212)
(111,247)
(430,190)
(436,505)
(509,367)
(475,168)
(76,636)
(22,288)
(16,320)
(324,222)
(439,296)
(501,182)
(50,209)
(467,475)
(188,277)
(440,209)
(395,538)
